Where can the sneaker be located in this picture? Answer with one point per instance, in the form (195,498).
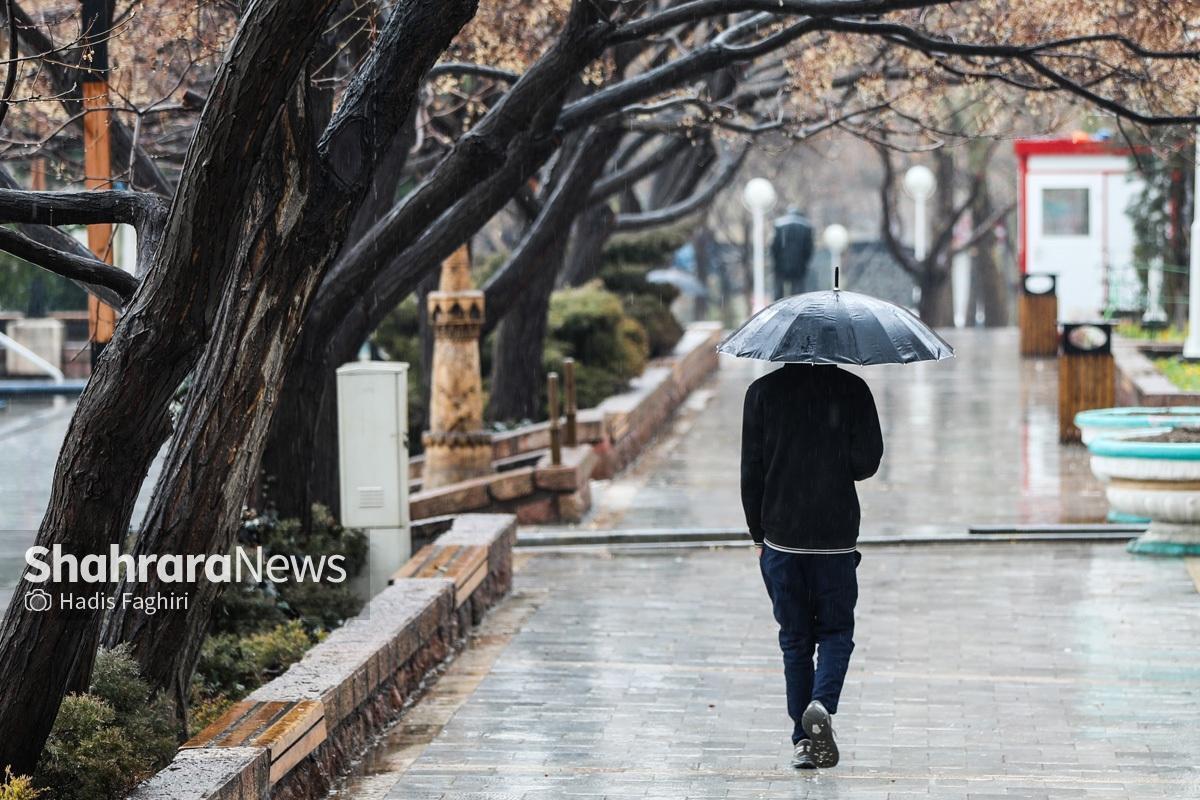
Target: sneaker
(802,755)
(819,727)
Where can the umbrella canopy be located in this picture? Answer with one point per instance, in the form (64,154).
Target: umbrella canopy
(836,327)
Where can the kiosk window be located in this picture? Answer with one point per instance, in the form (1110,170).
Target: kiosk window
(1065,212)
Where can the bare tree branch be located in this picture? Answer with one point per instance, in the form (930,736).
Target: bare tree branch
(677,211)
(69,265)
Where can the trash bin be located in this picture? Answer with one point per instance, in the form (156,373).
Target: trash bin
(1037,310)
(1086,374)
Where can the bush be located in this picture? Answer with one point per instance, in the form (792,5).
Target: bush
(589,324)
(108,740)
(231,666)
(18,787)
(399,337)
(663,331)
(628,259)
(651,248)
(251,608)
(259,630)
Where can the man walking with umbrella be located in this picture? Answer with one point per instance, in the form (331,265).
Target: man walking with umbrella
(809,431)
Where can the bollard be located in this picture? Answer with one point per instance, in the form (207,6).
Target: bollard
(555,430)
(572,408)
(1086,374)
(1037,311)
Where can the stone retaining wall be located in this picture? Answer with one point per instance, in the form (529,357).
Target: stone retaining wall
(291,738)
(610,437)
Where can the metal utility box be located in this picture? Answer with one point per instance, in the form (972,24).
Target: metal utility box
(372,399)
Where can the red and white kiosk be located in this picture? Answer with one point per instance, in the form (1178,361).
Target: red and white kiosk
(1073,223)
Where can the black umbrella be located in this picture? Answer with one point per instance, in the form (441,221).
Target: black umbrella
(836,327)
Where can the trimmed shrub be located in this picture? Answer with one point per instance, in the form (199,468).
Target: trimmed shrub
(589,324)
(663,331)
(108,740)
(321,606)
(231,666)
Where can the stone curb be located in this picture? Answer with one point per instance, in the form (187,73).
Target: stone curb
(291,737)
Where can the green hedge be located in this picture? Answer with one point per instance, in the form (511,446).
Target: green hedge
(108,740)
(589,324)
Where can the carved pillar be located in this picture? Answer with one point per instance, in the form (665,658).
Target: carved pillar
(456,446)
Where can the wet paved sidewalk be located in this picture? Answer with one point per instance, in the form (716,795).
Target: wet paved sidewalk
(972,440)
(989,671)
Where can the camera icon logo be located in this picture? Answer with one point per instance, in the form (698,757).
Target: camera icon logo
(37,600)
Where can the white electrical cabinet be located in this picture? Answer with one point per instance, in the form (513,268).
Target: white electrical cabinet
(372,399)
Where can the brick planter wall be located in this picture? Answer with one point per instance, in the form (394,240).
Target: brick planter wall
(291,738)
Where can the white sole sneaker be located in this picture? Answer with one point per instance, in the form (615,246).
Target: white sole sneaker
(819,727)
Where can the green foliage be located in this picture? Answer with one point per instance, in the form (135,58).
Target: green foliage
(1134,330)
(231,666)
(627,260)
(652,248)
(318,605)
(106,741)
(400,339)
(589,324)
(22,283)
(1184,374)
(259,630)
(663,331)
(18,787)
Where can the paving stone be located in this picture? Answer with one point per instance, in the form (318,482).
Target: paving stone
(1032,671)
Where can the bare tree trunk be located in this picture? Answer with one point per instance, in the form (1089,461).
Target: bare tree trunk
(122,415)
(937,288)
(937,303)
(517,350)
(993,289)
(585,254)
(218,446)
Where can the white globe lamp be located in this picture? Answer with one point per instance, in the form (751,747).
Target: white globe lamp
(759,197)
(919,183)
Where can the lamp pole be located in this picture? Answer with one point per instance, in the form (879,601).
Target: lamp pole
(1191,347)
(759,197)
(919,182)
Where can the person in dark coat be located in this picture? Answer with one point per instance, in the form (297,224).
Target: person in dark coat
(808,433)
(791,250)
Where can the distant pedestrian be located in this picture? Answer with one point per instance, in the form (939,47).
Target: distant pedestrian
(791,251)
(808,433)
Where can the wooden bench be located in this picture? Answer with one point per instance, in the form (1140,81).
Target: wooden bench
(289,730)
(466,565)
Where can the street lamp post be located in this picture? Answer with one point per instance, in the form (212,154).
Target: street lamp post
(919,183)
(836,238)
(759,197)
(1191,347)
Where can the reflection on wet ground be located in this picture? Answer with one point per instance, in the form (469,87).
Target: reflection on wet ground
(968,441)
(31,432)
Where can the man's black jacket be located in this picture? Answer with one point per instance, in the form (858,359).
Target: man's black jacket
(808,433)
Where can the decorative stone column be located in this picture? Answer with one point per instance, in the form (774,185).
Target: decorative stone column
(456,446)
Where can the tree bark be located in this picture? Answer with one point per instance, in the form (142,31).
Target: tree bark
(122,415)
(585,254)
(992,287)
(517,372)
(218,446)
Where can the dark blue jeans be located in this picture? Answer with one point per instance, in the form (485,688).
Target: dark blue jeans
(813,596)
